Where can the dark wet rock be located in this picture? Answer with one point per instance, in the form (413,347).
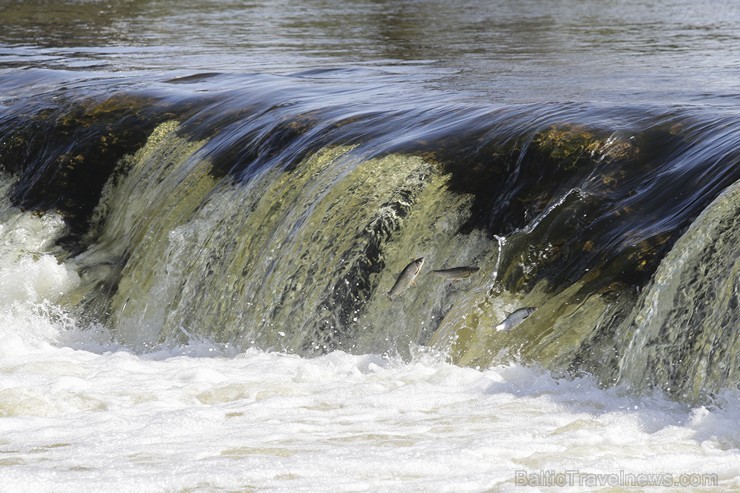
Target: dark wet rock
(63,156)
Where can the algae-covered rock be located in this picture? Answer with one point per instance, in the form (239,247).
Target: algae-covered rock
(575,145)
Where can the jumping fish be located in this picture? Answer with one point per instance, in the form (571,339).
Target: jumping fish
(456,273)
(406,277)
(515,318)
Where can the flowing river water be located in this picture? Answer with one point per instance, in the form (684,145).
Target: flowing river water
(204,205)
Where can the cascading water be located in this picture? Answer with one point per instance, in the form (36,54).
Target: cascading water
(284,226)
(682,335)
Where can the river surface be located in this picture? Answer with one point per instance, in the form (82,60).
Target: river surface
(203,206)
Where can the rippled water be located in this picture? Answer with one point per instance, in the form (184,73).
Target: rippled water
(672,51)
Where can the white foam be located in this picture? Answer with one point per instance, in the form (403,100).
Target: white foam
(79,421)
(31,278)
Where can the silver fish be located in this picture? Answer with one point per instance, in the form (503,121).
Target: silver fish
(406,277)
(515,318)
(455,273)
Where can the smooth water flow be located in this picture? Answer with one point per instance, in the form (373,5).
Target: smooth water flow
(205,205)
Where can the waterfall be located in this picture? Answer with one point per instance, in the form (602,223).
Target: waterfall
(683,334)
(257,223)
